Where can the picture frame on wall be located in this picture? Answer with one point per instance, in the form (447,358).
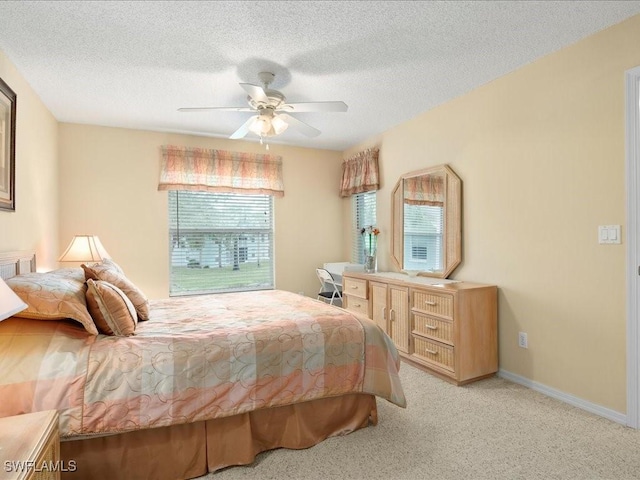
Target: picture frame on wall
(7,148)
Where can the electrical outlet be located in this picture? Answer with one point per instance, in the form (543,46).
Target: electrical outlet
(522,340)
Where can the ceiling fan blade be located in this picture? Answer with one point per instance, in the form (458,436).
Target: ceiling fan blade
(315,107)
(255,92)
(244,129)
(302,127)
(222,109)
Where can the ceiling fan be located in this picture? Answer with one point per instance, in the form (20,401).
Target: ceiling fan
(272,112)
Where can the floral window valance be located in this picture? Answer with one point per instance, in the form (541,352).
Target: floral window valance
(424,190)
(360,173)
(220,171)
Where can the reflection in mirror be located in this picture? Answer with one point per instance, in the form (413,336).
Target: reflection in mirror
(423,219)
(426,219)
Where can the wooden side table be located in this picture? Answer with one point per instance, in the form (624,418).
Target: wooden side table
(30,447)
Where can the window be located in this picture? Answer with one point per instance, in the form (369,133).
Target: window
(220,242)
(364,214)
(423,247)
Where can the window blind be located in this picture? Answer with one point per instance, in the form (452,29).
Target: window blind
(220,242)
(364,214)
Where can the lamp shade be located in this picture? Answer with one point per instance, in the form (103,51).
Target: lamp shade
(279,125)
(10,303)
(84,248)
(261,125)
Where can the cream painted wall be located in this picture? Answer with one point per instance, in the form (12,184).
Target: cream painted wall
(108,187)
(34,224)
(541,155)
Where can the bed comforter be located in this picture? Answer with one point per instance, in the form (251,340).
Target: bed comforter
(196,358)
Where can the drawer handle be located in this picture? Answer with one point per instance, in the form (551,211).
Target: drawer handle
(355,287)
(357,305)
(392,315)
(431,327)
(431,304)
(432,352)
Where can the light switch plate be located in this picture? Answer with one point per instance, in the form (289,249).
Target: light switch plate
(609,234)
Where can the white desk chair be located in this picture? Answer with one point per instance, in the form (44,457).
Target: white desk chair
(329,289)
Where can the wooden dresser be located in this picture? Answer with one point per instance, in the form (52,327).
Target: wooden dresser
(30,447)
(449,329)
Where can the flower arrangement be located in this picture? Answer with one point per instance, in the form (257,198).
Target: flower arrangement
(370,236)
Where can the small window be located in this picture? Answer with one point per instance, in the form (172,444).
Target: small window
(220,242)
(364,214)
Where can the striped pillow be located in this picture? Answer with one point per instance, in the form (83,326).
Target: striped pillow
(112,312)
(110,272)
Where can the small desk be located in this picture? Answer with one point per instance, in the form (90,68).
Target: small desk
(336,269)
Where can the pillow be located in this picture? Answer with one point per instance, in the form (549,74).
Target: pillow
(108,271)
(53,296)
(75,273)
(114,265)
(112,312)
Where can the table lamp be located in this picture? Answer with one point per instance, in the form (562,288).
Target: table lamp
(10,303)
(84,248)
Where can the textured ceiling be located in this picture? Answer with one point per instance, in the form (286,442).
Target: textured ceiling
(133,64)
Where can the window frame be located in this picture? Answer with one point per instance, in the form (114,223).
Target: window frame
(219,234)
(360,218)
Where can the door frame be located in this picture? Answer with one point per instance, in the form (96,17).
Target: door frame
(632,173)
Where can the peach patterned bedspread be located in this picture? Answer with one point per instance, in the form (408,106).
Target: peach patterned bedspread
(196,358)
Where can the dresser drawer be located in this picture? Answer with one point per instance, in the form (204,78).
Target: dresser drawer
(357,305)
(433,303)
(354,287)
(432,327)
(433,352)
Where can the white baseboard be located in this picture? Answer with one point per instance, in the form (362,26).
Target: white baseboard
(565,397)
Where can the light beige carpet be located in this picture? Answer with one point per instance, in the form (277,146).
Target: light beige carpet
(492,429)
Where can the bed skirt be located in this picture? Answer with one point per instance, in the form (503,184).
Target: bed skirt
(192,450)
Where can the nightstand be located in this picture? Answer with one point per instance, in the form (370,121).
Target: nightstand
(30,447)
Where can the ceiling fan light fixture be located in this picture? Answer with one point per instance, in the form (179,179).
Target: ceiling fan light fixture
(264,125)
(279,125)
(261,126)
(268,125)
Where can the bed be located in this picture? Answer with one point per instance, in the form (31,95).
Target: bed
(206,382)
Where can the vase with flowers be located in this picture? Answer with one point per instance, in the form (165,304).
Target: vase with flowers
(370,243)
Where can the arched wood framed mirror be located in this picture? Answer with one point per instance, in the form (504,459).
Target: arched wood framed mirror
(426,216)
